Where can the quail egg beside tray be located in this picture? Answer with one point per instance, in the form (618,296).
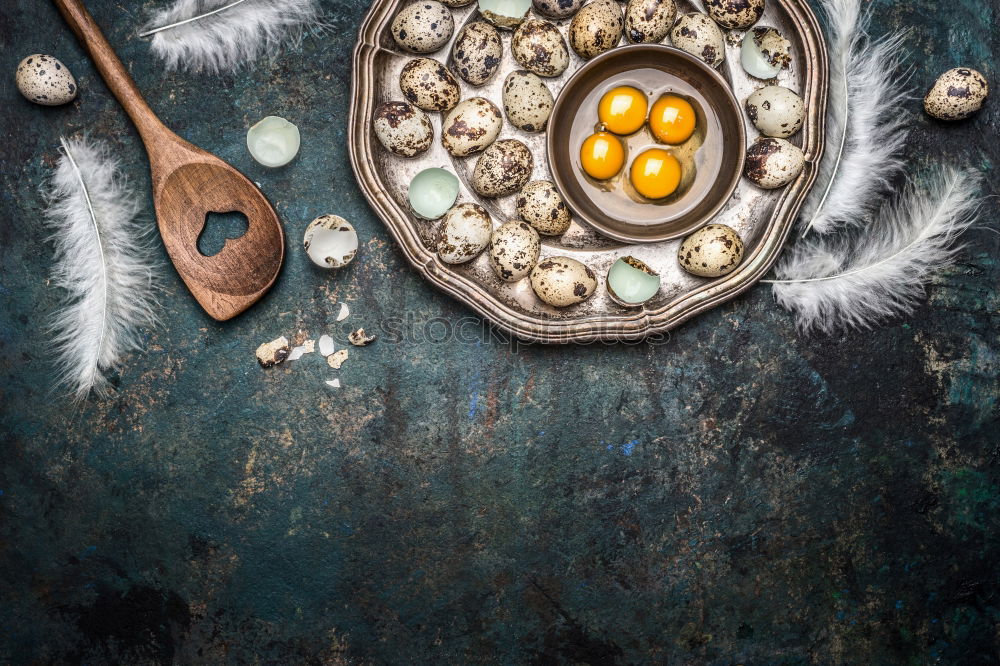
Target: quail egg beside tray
(501,103)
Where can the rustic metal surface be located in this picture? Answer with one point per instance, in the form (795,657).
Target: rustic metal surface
(737,494)
(762,218)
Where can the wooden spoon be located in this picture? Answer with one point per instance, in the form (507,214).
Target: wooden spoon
(189,183)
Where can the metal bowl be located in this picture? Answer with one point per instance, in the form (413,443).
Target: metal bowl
(656,69)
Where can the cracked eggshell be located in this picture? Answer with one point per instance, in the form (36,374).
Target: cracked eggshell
(465,232)
(477,53)
(698,35)
(557,9)
(44,80)
(776,111)
(423,27)
(649,21)
(429,85)
(514,250)
(403,129)
(503,169)
(632,282)
(772,163)
(540,205)
(456,3)
(504,14)
(732,14)
(765,52)
(471,126)
(562,281)
(274,352)
(330,241)
(597,27)
(957,94)
(527,101)
(712,251)
(539,47)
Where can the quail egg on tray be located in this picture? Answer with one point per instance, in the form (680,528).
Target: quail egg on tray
(557,9)
(649,21)
(772,163)
(471,126)
(527,101)
(503,169)
(477,52)
(423,26)
(540,205)
(562,281)
(596,28)
(514,249)
(712,251)
(698,35)
(539,47)
(732,14)
(776,111)
(429,85)
(403,129)
(465,232)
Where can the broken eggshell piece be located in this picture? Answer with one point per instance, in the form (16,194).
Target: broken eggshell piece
(273,142)
(432,193)
(505,14)
(330,241)
(765,53)
(631,282)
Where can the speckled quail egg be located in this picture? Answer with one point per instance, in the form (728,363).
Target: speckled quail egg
(471,126)
(428,84)
(765,52)
(465,232)
(732,14)
(957,94)
(539,47)
(597,27)
(330,241)
(514,249)
(540,205)
(632,282)
(527,101)
(773,163)
(776,111)
(477,52)
(44,80)
(649,21)
(503,169)
(403,128)
(423,26)
(506,14)
(712,251)
(700,36)
(432,193)
(562,281)
(457,3)
(557,9)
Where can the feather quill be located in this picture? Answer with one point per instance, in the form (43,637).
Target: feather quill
(221,35)
(834,285)
(865,131)
(103,264)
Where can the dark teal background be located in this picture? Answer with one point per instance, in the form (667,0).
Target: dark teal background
(738,494)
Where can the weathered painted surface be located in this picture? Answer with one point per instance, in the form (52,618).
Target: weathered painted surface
(734,495)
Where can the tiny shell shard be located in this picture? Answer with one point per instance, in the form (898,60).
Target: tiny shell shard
(273,352)
(359,338)
(336,359)
(325,345)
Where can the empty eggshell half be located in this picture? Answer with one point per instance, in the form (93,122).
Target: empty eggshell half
(330,241)
(432,192)
(631,282)
(273,142)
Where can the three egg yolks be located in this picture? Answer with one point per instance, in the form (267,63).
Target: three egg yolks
(672,119)
(602,155)
(622,110)
(655,173)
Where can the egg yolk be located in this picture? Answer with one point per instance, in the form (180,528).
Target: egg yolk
(655,173)
(602,155)
(672,119)
(623,110)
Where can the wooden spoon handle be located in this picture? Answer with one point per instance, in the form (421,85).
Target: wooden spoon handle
(111,68)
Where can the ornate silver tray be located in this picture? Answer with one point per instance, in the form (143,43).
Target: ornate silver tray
(762,218)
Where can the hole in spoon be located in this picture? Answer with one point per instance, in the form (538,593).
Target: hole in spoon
(220,227)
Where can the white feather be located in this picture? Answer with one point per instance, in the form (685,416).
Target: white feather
(882,272)
(221,35)
(102,263)
(865,119)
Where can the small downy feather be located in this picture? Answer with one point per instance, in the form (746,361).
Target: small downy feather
(865,119)
(883,270)
(103,264)
(221,35)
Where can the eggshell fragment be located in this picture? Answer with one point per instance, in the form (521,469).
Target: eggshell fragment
(330,241)
(360,339)
(765,52)
(432,192)
(631,282)
(273,142)
(505,14)
(274,352)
